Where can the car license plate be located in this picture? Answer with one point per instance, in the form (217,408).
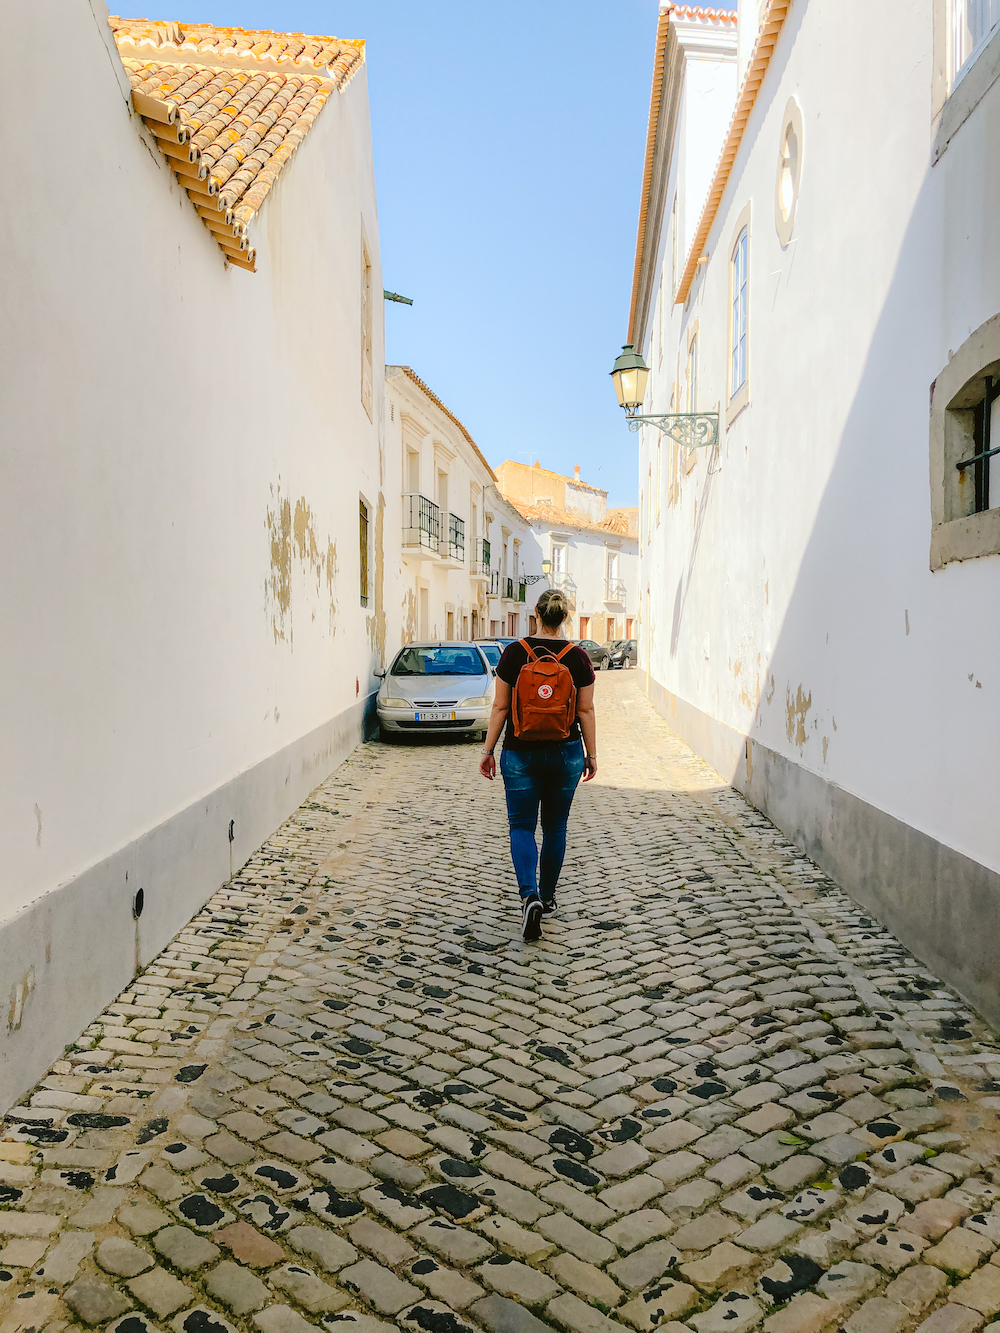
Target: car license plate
(436,715)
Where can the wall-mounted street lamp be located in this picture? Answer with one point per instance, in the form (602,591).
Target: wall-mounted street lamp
(534,578)
(692,430)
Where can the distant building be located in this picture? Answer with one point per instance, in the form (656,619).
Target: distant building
(817,264)
(191,365)
(462,546)
(592,550)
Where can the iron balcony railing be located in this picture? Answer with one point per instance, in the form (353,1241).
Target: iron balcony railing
(614,591)
(509,590)
(480,557)
(456,537)
(563,582)
(421,523)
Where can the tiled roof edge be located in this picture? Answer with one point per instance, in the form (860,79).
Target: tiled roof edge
(412,374)
(760,58)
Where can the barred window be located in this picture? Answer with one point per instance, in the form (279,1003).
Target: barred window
(363,533)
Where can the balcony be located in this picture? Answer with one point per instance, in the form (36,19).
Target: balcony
(421,525)
(479,565)
(614,592)
(456,540)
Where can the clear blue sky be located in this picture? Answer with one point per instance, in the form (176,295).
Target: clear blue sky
(509,143)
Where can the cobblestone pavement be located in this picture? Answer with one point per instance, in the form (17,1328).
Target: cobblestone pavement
(716,1096)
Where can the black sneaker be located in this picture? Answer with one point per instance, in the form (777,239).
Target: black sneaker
(531,918)
(548,907)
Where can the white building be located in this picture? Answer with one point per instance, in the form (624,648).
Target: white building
(817,263)
(592,550)
(463,547)
(191,497)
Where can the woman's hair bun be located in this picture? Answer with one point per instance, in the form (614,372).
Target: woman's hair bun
(553,607)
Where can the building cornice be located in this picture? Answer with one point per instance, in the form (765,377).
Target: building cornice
(682,32)
(767,37)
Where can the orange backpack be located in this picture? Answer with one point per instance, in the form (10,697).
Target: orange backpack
(544,705)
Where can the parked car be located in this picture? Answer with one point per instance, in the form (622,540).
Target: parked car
(434,687)
(493,649)
(626,653)
(599,653)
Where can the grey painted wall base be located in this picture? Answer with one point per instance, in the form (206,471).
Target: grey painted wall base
(942,905)
(66,956)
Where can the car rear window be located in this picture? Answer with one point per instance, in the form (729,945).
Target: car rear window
(492,652)
(439,662)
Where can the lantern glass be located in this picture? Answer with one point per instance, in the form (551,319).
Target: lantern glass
(630,374)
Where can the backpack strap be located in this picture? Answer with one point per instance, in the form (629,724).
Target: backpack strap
(532,656)
(559,656)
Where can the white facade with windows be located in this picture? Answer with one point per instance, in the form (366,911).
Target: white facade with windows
(462,549)
(815,588)
(592,551)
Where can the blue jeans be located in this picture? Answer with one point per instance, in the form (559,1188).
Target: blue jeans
(546,776)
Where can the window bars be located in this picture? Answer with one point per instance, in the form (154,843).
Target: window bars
(983,451)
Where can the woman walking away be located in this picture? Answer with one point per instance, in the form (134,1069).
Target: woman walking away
(545,696)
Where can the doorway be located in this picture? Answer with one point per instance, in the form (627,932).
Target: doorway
(424,613)
(585,627)
(451,626)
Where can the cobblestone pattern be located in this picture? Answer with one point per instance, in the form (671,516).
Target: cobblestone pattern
(716,1096)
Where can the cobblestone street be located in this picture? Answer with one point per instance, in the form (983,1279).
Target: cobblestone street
(715,1096)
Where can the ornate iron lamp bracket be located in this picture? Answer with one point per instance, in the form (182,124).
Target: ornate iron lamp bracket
(691,430)
(531,578)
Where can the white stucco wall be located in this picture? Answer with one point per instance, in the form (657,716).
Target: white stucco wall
(791,597)
(185,447)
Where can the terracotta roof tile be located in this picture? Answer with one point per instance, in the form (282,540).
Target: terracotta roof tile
(620,522)
(228,108)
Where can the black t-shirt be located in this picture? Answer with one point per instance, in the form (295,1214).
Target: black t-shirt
(514,657)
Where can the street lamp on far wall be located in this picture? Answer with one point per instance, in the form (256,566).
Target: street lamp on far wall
(534,578)
(692,430)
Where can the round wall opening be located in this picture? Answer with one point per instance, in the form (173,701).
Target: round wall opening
(789,176)
(138,902)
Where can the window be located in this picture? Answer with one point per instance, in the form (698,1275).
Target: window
(786,188)
(367,327)
(691,386)
(971,23)
(738,327)
(659,473)
(977,468)
(964,444)
(558,558)
(673,248)
(363,543)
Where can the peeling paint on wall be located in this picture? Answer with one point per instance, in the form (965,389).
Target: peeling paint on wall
(409,628)
(826,746)
(796,710)
(295,535)
(278,584)
(20,993)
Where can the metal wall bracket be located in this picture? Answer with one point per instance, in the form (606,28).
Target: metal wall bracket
(691,430)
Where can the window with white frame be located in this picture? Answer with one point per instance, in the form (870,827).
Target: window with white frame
(971,24)
(673,248)
(738,327)
(692,376)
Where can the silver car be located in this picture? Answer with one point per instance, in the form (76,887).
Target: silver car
(436,687)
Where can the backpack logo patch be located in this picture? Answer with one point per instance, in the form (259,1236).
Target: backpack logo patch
(545,691)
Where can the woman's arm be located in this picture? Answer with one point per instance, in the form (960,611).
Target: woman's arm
(587,719)
(501,707)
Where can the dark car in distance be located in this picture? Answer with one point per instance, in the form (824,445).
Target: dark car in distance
(599,653)
(626,653)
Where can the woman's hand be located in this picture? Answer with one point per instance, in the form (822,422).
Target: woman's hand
(488,766)
(589,768)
